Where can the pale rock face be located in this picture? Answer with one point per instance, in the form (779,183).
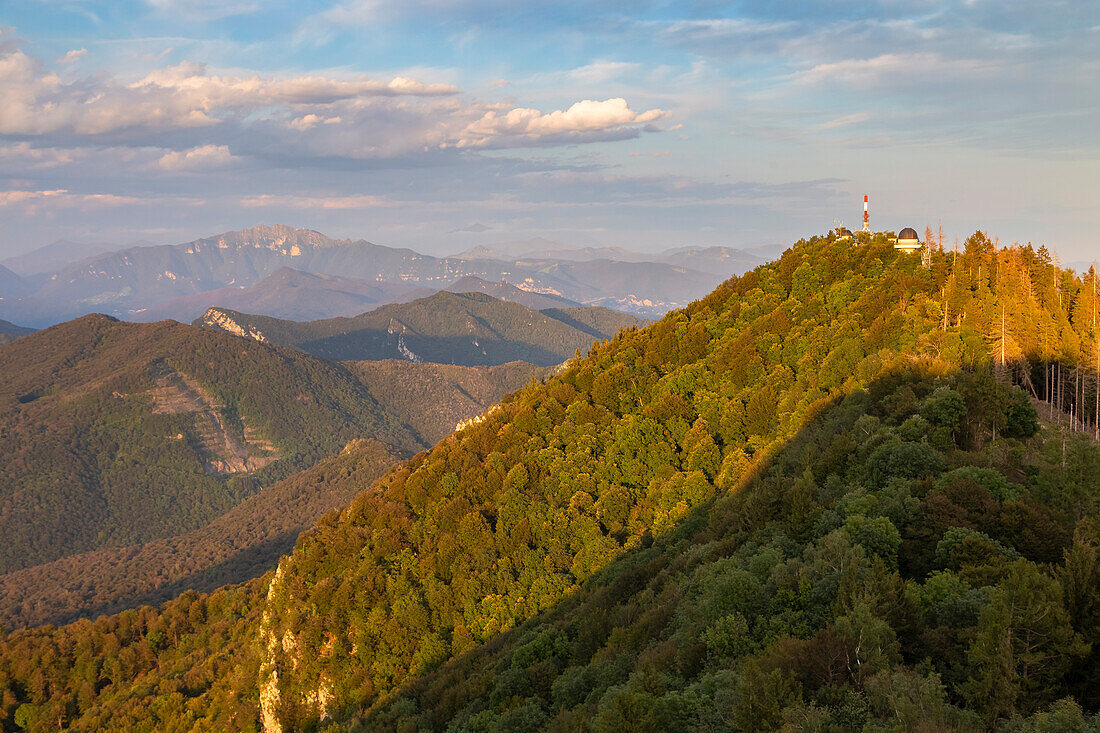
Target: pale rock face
(320,699)
(219,319)
(269,675)
(476,419)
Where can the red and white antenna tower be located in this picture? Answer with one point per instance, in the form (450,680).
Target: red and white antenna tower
(866,215)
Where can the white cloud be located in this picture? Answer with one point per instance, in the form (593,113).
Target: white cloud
(207,156)
(529,124)
(319,117)
(26,156)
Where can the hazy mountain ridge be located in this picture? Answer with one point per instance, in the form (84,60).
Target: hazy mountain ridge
(545,249)
(711,259)
(12,285)
(471,329)
(290,294)
(129,282)
(56,255)
(509,293)
(703,259)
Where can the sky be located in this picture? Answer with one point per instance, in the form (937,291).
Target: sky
(443,124)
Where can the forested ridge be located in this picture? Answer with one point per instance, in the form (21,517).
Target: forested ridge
(809,499)
(115,433)
(471,329)
(109,491)
(432,399)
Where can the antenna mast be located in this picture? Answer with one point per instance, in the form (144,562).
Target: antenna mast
(866,215)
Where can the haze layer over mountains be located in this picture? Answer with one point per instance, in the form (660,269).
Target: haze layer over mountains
(301,274)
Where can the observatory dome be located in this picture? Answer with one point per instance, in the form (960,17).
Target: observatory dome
(907,239)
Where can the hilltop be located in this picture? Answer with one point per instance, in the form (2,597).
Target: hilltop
(814,498)
(471,329)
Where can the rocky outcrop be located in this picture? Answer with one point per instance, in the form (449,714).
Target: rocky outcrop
(217,318)
(226,452)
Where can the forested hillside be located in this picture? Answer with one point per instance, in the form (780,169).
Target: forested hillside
(471,329)
(167,508)
(892,568)
(118,433)
(243,543)
(815,498)
(433,399)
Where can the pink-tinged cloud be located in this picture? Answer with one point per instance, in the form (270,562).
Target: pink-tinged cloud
(200,158)
(31,201)
(330,203)
(37,101)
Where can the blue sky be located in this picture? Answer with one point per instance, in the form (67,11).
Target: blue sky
(440,124)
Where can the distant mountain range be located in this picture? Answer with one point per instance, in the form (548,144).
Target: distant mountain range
(703,259)
(12,285)
(290,293)
(546,249)
(56,255)
(471,329)
(243,268)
